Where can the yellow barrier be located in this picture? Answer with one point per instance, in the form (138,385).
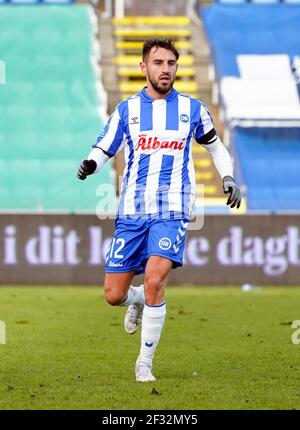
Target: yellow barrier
(137,45)
(132,72)
(135,86)
(205,162)
(129,94)
(152,20)
(134,60)
(152,32)
(204,176)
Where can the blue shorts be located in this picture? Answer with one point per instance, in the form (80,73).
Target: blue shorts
(135,240)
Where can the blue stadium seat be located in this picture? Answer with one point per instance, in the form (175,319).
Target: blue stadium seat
(250,29)
(269,163)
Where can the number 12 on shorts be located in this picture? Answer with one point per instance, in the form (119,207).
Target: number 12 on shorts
(119,245)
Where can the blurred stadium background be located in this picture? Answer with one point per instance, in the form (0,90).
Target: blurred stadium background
(63,67)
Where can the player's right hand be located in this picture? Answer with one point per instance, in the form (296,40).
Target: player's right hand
(87,167)
(229,186)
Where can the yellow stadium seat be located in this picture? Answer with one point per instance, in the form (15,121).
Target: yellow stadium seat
(129,94)
(135,86)
(133,60)
(210,190)
(152,20)
(205,162)
(137,45)
(204,201)
(204,176)
(152,32)
(214,201)
(198,149)
(135,72)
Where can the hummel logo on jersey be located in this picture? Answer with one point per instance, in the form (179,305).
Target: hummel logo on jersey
(134,120)
(145,143)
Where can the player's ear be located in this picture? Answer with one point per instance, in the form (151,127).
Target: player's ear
(143,67)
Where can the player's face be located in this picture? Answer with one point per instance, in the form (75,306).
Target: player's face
(160,68)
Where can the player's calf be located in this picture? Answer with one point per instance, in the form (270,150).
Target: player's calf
(135,302)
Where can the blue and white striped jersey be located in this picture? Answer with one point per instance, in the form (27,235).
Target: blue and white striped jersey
(159,177)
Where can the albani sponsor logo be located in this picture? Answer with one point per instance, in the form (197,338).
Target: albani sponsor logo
(146,143)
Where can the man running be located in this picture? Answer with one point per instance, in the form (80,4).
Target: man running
(156,127)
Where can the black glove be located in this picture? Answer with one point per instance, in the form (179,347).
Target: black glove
(87,167)
(229,186)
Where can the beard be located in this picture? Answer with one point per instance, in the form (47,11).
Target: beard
(161,88)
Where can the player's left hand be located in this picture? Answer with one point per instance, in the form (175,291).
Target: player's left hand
(229,186)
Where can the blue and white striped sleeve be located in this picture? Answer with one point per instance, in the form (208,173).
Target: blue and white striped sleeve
(111,138)
(205,130)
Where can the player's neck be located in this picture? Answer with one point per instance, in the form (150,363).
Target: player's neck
(155,94)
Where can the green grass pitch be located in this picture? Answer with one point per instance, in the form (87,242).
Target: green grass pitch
(221,348)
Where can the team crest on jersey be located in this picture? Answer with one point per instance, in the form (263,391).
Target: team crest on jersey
(184,117)
(165,243)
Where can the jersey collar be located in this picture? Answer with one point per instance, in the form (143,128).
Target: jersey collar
(172,94)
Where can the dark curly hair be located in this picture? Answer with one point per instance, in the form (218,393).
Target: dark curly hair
(161,42)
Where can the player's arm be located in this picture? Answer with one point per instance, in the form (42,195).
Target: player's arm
(207,136)
(108,144)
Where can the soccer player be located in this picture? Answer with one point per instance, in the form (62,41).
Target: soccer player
(156,127)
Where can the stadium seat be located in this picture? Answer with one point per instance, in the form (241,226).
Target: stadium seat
(203,163)
(135,72)
(49,108)
(250,30)
(258,99)
(255,48)
(133,60)
(152,20)
(269,163)
(149,33)
(137,45)
(265,67)
(181,86)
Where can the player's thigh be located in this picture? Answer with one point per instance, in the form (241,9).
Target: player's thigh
(128,248)
(167,239)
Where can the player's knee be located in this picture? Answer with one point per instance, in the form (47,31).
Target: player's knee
(112,297)
(153,285)
(113,300)
(153,280)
